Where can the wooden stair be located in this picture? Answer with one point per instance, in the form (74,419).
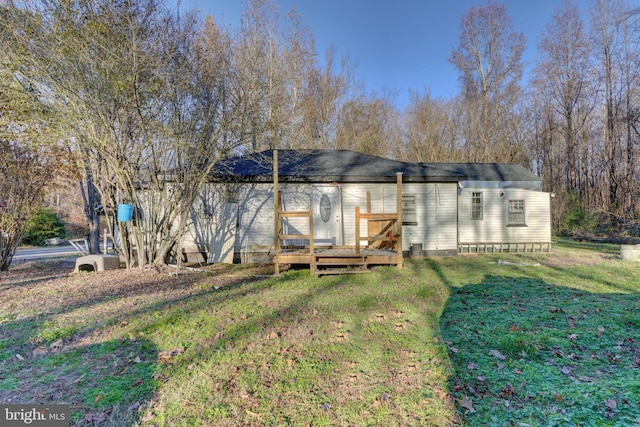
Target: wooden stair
(339,264)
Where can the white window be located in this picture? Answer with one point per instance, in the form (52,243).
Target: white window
(230,193)
(409,216)
(476,206)
(516,213)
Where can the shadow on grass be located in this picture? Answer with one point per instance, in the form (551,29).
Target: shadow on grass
(525,351)
(107,380)
(104,380)
(104,383)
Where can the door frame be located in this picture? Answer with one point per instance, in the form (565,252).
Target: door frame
(336,213)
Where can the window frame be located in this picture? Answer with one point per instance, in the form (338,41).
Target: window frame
(516,213)
(231,193)
(409,214)
(477,209)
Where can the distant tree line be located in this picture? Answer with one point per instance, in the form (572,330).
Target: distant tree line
(130,94)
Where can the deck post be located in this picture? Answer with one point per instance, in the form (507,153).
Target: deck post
(276,214)
(399,209)
(312,247)
(357,230)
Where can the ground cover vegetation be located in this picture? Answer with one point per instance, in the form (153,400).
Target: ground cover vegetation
(145,93)
(535,339)
(44,224)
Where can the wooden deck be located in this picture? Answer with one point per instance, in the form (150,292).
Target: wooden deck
(383,238)
(338,260)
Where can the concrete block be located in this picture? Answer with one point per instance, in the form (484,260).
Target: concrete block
(630,252)
(97,263)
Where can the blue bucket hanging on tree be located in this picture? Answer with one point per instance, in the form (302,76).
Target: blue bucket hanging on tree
(125,212)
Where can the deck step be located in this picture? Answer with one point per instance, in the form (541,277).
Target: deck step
(337,264)
(339,271)
(345,263)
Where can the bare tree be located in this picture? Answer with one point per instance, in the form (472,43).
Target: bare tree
(324,93)
(562,77)
(152,100)
(430,131)
(489,59)
(614,51)
(368,124)
(28,157)
(294,101)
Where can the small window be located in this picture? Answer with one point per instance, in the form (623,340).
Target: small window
(409,216)
(230,193)
(516,213)
(476,206)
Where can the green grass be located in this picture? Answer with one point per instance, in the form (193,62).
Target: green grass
(543,340)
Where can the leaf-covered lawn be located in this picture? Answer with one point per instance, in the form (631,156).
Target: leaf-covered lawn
(529,352)
(553,344)
(228,347)
(503,340)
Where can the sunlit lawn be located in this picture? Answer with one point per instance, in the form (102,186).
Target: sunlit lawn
(536,339)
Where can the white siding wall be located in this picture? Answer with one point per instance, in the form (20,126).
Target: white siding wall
(493,227)
(436,206)
(204,218)
(256,213)
(443,216)
(356,195)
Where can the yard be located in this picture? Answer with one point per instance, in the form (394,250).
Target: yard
(536,339)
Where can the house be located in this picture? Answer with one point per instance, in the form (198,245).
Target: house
(447,208)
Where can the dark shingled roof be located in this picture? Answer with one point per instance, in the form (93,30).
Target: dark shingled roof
(349,166)
(490,171)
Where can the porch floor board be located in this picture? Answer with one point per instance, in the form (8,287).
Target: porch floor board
(338,260)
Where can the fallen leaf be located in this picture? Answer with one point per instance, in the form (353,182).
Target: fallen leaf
(148,417)
(480,378)
(514,328)
(97,418)
(467,404)
(565,370)
(166,355)
(497,354)
(572,337)
(508,391)
(453,349)
(98,398)
(40,352)
(611,404)
(601,329)
(517,371)
(134,407)
(472,366)
(19,357)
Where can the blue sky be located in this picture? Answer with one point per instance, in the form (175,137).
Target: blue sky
(399,44)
